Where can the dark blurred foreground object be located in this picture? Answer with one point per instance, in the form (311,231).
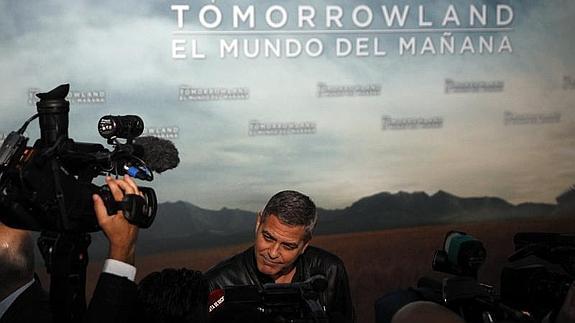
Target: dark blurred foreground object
(528,292)
(172,296)
(295,303)
(535,287)
(22,298)
(425,312)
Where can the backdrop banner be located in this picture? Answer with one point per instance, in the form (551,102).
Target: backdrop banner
(388,114)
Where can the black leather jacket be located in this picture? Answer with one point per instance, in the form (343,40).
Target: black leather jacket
(241,269)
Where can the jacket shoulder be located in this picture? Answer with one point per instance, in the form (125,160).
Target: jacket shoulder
(322,257)
(230,272)
(232,263)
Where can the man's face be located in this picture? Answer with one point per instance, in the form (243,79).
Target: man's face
(277,246)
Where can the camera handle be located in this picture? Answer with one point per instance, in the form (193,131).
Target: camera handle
(66,258)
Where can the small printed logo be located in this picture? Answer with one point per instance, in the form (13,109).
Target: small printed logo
(172,132)
(216,304)
(257,128)
(325,90)
(452,86)
(517,119)
(186,93)
(74,97)
(389,123)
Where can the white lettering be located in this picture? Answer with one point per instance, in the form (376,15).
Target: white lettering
(501,9)
(343,47)
(395,15)
(422,22)
(238,15)
(356,14)
(485,44)
(451,16)
(283,16)
(180,13)
(293,48)
(505,45)
(475,14)
(362,46)
(306,15)
(309,47)
(446,44)
(467,45)
(229,48)
(256,50)
(178,52)
(406,46)
(333,14)
(217,16)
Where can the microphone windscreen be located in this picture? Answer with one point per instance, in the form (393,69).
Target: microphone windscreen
(158,154)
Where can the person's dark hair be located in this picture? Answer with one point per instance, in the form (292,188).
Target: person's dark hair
(292,208)
(173,296)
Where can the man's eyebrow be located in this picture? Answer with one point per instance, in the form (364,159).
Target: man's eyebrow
(290,244)
(269,235)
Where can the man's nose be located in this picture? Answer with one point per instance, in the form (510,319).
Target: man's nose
(275,251)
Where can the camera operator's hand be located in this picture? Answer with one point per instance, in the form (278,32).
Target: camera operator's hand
(121,234)
(567,312)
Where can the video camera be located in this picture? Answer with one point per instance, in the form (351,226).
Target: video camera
(537,287)
(48,187)
(293,303)
(528,292)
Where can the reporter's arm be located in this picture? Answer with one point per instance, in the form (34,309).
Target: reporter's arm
(121,234)
(114,298)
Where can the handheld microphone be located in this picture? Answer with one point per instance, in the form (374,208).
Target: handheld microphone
(158,154)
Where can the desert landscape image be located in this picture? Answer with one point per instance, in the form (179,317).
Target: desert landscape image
(378,261)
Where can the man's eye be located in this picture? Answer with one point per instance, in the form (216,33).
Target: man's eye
(267,238)
(290,247)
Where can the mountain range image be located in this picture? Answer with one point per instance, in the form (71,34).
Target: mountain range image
(182,225)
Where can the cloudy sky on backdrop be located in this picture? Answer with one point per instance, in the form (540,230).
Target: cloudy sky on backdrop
(125,50)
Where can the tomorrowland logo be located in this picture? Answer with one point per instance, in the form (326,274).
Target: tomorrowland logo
(452,86)
(257,128)
(74,97)
(212,94)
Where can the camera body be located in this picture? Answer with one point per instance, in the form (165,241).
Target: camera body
(528,292)
(48,187)
(295,302)
(539,286)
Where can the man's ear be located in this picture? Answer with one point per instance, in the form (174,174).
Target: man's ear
(258,221)
(305,246)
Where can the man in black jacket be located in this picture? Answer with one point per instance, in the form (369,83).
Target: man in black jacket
(281,254)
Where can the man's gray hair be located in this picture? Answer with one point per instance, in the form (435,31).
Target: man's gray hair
(292,208)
